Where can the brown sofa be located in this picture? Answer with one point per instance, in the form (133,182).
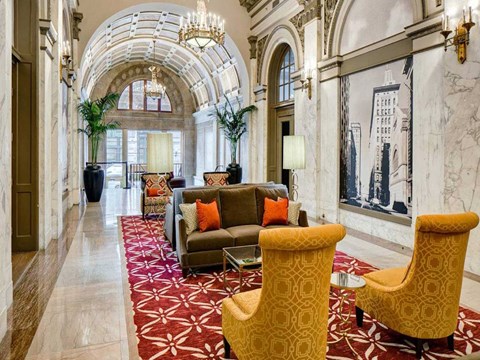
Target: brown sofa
(241,214)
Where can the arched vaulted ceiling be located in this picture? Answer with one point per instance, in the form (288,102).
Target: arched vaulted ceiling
(128,36)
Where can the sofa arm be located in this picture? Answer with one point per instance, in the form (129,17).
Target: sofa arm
(303,219)
(169,225)
(181,240)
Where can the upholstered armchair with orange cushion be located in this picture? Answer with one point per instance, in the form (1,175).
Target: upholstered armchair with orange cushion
(422,300)
(216,178)
(155,194)
(287,318)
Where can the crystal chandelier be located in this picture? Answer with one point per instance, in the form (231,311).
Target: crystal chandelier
(201,29)
(154,89)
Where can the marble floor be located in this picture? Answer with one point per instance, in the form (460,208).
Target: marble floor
(88,313)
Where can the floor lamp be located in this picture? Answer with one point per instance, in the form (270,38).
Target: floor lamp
(159,153)
(294,159)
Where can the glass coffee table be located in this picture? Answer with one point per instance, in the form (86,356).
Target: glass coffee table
(244,259)
(345,284)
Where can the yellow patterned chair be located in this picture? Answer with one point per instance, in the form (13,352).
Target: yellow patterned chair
(287,318)
(422,301)
(156,194)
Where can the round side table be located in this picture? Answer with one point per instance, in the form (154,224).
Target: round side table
(345,284)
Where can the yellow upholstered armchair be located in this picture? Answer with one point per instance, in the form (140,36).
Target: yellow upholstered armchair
(287,318)
(155,194)
(422,301)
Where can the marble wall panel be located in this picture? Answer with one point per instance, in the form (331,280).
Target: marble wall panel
(5,162)
(307,115)
(45,158)
(428,132)
(462,131)
(328,150)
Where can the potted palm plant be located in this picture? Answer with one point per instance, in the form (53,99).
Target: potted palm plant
(93,113)
(233,124)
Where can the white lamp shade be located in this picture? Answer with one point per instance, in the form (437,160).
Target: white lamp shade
(294,152)
(159,153)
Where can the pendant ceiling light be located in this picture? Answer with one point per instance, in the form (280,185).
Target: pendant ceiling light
(154,89)
(201,29)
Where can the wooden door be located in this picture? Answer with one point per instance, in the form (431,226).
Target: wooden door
(24,128)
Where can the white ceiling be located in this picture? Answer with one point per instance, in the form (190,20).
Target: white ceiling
(129,37)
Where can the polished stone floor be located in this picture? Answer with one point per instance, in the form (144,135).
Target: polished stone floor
(88,315)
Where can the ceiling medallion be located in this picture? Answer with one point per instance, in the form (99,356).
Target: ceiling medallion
(201,29)
(154,89)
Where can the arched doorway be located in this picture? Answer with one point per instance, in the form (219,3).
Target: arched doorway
(281,111)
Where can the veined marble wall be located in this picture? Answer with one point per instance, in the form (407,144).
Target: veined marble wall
(462,130)
(446,133)
(6,15)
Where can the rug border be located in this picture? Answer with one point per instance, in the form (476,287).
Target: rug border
(129,313)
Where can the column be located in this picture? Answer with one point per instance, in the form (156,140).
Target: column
(48,37)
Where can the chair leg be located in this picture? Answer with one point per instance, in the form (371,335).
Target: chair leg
(359,315)
(185,272)
(226,345)
(419,348)
(451,344)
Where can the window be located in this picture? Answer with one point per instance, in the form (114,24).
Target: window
(114,145)
(133,98)
(395,160)
(285,82)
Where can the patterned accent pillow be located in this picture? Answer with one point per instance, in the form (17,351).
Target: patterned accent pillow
(294,212)
(189,212)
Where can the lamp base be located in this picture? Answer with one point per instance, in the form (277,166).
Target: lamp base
(294,191)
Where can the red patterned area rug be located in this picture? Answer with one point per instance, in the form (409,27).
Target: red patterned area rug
(178,318)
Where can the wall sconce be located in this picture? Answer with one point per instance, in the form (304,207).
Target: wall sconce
(66,59)
(461,37)
(306,80)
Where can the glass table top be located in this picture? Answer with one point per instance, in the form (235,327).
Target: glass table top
(346,281)
(244,255)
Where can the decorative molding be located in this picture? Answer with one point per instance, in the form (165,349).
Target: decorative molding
(329,18)
(249,4)
(424,28)
(312,9)
(252,40)
(77,19)
(260,93)
(299,22)
(48,36)
(260,55)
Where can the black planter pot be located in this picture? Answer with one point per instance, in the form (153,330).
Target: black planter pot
(235,174)
(93,179)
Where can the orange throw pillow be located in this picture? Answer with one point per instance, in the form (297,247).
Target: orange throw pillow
(276,212)
(208,216)
(155,192)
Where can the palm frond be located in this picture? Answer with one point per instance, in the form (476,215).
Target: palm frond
(93,114)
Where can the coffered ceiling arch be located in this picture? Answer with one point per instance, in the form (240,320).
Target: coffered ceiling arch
(128,36)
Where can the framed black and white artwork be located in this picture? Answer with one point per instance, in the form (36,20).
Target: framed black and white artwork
(376,139)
